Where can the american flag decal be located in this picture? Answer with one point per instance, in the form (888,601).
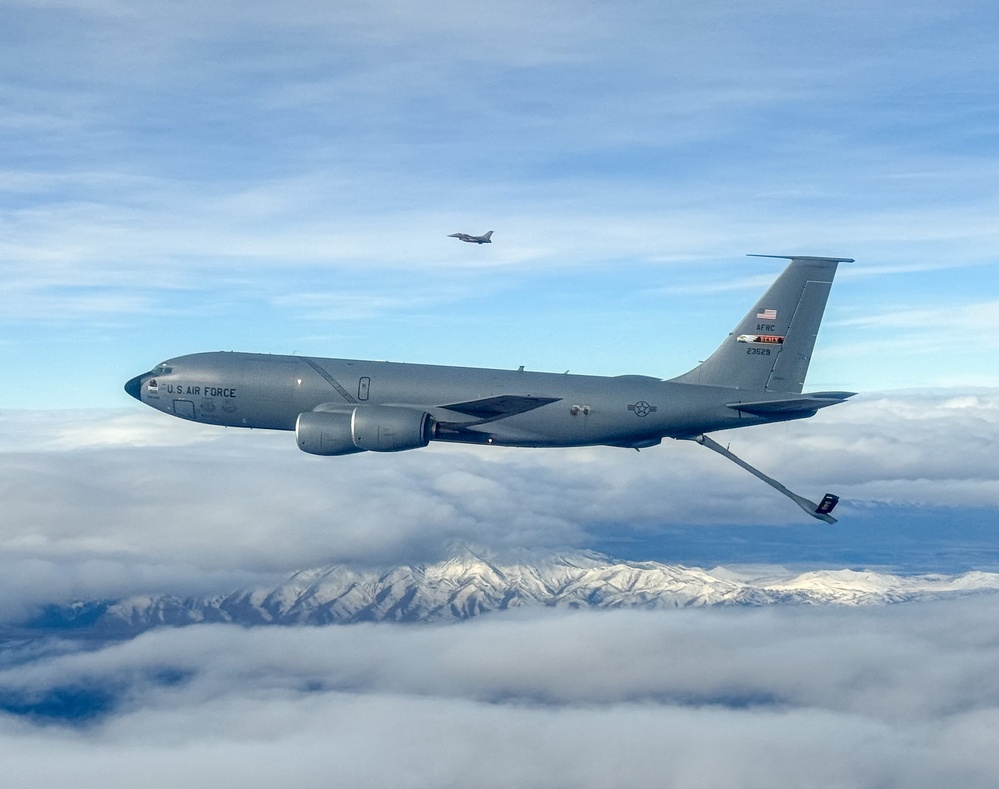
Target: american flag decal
(767,315)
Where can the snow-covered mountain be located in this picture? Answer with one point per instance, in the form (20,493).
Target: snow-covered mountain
(468,585)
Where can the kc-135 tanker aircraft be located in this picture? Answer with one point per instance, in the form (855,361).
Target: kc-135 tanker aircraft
(343,406)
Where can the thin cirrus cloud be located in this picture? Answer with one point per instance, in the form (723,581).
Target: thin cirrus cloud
(186,179)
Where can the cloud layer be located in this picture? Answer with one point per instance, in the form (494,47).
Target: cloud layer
(105,504)
(899,696)
(113,503)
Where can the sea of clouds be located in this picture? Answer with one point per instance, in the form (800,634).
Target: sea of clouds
(103,504)
(891,697)
(109,503)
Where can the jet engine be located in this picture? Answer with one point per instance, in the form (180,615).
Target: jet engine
(378,428)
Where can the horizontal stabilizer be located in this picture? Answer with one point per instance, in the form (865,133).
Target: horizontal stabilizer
(804,404)
(808,258)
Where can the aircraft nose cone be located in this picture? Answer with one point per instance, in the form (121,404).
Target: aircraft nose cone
(134,387)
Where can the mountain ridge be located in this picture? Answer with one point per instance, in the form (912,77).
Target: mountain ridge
(467,584)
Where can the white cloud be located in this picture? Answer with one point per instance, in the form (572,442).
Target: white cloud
(114,503)
(900,696)
(104,504)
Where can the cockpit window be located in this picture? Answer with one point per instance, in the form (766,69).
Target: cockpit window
(162,369)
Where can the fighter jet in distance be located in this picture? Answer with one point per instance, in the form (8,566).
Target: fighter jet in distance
(344,406)
(486,239)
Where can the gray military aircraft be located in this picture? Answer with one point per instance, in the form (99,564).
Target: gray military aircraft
(343,406)
(484,239)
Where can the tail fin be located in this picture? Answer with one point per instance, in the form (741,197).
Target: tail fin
(769,350)
(488,236)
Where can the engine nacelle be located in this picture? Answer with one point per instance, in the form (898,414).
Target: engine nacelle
(325,433)
(384,428)
(377,428)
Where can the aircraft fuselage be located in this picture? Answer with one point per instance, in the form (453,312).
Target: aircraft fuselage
(270,391)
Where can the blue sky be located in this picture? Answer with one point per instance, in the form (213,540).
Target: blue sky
(196,176)
(189,176)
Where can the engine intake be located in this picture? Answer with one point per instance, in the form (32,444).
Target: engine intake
(377,428)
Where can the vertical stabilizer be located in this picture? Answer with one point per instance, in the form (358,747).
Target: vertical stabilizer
(770,348)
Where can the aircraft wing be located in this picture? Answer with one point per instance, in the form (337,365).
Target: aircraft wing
(489,409)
